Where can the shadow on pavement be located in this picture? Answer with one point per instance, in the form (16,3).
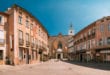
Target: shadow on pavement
(102,66)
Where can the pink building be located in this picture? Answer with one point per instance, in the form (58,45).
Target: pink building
(27,39)
(3,36)
(93,42)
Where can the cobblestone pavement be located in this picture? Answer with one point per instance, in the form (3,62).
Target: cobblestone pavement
(51,68)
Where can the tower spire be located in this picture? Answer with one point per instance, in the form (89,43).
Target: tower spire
(71,31)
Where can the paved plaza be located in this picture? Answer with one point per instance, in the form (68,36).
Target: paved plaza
(52,67)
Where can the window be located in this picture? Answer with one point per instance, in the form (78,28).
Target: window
(27,23)
(93,42)
(27,37)
(20,34)
(32,39)
(88,44)
(38,42)
(32,54)
(108,40)
(89,32)
(20,20)
(60,45)
(20,12)
(100,42)
(39,32)
(0,19)
(101,28)
(84,45)
(31,26)
(2,38)
(109,27)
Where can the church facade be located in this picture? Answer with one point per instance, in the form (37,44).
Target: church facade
(58,45)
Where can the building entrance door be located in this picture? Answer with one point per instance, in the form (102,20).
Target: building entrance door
(59,56)
(27,56)
(1,56)
(81,57)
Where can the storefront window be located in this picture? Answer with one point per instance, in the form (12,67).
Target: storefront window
(20,53)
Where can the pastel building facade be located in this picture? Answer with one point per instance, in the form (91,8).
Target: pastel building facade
(27,39)
(93,42)
(3,37)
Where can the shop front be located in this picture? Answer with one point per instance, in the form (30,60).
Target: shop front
(105,55)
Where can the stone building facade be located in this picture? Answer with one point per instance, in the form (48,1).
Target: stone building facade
(3,36)
(26,40)
(93,42)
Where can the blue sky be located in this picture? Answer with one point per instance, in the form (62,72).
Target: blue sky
(57,15)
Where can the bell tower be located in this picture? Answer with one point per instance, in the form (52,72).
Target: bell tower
(71,31)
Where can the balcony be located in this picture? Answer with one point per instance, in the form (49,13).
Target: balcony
(27,43)
(93,34)
(102,47)
(21,42)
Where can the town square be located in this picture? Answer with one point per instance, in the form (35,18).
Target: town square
(54,37)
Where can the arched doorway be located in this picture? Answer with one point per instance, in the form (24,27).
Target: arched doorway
(59,54)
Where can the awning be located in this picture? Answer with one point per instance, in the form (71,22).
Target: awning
(105,51)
